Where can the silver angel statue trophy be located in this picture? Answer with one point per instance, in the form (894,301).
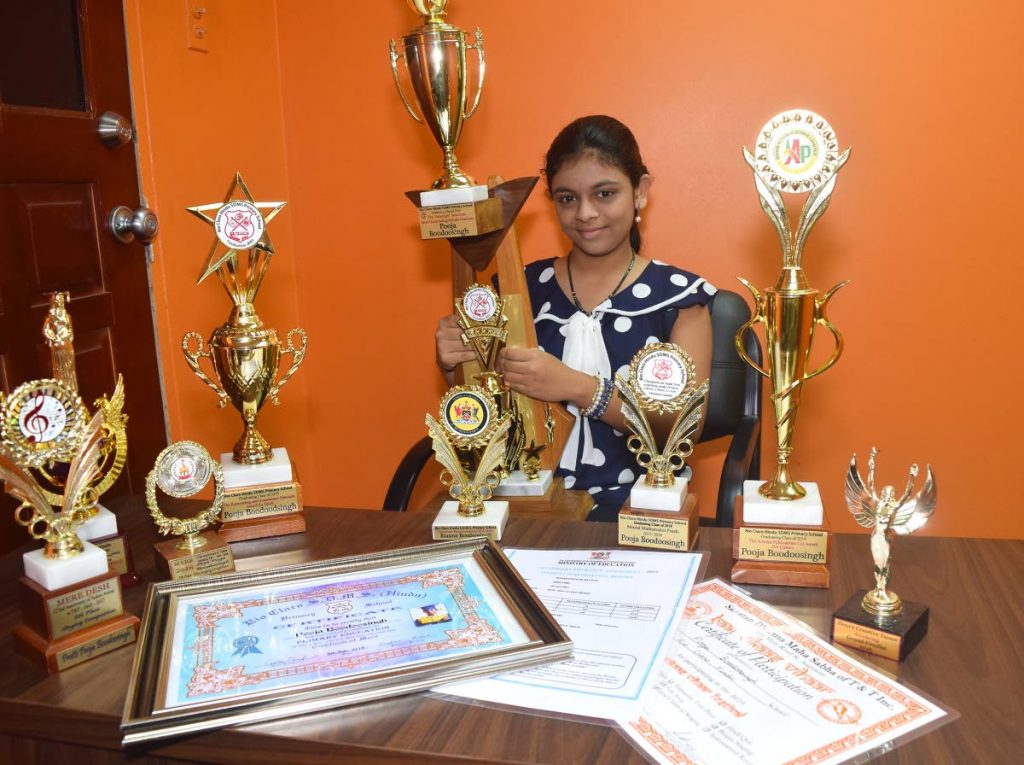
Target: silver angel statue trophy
(886,514)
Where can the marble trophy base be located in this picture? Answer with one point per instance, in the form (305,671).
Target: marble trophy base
(261,501)
(450,525)
(438,197)
(518,485)
(780,554)
(668,498)
(56,574)
(64,627)
(661,529)
(893,639)
(209,560)
(102,531)
(759,510)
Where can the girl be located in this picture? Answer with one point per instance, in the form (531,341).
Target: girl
(597,306)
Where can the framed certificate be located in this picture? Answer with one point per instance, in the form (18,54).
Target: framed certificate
(256,646)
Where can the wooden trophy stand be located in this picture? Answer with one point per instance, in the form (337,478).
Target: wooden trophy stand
(213,557)
(69,625)
(544,423)
(784,555)
(660,529)
(102,531)
(261,500)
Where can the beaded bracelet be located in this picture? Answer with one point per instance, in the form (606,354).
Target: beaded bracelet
(600,400)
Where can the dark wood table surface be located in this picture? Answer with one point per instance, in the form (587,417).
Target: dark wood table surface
(971,660)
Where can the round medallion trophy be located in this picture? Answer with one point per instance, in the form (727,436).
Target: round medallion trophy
(879,621)
(662,382)
(782,534)
(262,496)
(70,594)
(468,419)
(478,222)
(183,470)
(101,526)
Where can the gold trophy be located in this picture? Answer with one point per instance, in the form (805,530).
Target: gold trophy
(101,526)
(879,621)
(782,533)
(662,381)
(263,496)
(182,470)
(468,419)
(435,56)
(70,594)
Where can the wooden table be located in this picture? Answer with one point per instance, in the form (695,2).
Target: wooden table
(971,660)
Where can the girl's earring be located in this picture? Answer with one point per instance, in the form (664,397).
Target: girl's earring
(636,218)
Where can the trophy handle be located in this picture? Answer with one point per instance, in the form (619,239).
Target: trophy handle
(741,333)
(479,48)
(393,51)
(820,318)
(192,357)
(298,354)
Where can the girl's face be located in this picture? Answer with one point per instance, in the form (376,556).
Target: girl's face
(596,203)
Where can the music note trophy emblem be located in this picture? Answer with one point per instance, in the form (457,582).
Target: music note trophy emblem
(183,470)
(662,381)
(263,496)
(879,621)
(782,531)
(468,419)
(70,594)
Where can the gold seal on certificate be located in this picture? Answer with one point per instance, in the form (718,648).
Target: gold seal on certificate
(183,470)
(662,381)
(468,420)
(879,621)
(263,496)
(795,152)
(70,594)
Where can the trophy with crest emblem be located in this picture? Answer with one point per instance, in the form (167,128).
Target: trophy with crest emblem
(782,521)
(70,594)
(468,419)
(183,470)
(661,393)
(262,493)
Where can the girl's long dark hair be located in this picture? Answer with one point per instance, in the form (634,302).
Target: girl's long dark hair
(608,139)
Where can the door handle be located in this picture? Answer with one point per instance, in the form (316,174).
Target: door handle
(127,225)
(113,129)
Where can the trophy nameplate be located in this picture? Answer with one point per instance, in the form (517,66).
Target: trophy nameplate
(245,356)
(879,621)
(661,382)
(183,470)
(70,595)
(468,420)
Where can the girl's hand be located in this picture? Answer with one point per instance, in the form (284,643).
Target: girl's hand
(450,350)
(541,376)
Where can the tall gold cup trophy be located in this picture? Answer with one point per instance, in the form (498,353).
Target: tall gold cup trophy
(262,493)
(781,534)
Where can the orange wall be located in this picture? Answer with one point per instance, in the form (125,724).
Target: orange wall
(920,220)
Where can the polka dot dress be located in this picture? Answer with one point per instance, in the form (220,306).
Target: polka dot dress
(640,314)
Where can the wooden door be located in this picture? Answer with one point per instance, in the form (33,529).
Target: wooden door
(63,64)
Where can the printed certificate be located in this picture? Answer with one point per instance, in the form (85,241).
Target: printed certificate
(620,607)
(254,646)
(745,683)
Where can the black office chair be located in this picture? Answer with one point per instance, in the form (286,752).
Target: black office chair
(734,409)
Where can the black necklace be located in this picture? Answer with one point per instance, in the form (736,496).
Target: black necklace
(572,288)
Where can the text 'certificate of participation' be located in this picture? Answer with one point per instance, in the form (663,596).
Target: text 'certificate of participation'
(744,683)
(265,638)
(620,607)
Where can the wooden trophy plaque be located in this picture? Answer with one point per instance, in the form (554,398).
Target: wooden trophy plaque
(661,529)
(789,556)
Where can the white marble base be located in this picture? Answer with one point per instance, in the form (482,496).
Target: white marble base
(518,485)
(439,197)
(277,470)
(450,525)
(53,574)
(103,524)
(670,498)
(807,511)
